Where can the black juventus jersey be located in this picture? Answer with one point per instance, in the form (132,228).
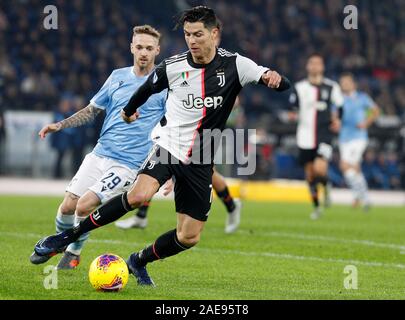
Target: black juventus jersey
(200,99)
(315,105)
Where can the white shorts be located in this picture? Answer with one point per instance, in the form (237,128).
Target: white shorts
(105,177)
(352,151)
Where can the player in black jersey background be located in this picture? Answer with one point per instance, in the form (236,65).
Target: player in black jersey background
(318,103)
(202,84)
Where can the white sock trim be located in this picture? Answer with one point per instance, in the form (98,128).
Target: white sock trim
(65,218)
(78,219)
(76,247)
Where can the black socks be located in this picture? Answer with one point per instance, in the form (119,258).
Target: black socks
(107,213)
(143,211)
(165,246)
(226,199)
(314,192)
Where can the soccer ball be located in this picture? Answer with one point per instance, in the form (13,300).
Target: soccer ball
(108,272)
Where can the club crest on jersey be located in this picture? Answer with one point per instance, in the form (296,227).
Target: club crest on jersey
(96,215)
(324,94)
(198,102)
(151,164)
(221,76)
(155,78)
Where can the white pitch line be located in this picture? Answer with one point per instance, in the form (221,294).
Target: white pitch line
(309,258)
(38,236)
(369,243)
(237,252)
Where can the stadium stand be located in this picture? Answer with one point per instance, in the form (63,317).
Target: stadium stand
(38,67)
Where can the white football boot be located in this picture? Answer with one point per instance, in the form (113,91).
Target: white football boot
(132,222)
(233,218)
(316,214)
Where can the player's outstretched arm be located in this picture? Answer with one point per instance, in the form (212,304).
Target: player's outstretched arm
(373,115)
(129,113)
(155,83)
(78,119)
(250,72)
(274,80)
(49,128)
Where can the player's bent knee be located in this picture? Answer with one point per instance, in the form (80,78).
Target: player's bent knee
(136,199)
(320,171)
(188,240)
(66,210)
(83,209)
(68,206)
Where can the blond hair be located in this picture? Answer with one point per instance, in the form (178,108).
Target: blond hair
(147,29)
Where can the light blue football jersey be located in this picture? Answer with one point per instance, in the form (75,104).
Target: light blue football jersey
(355,109)
(128,144)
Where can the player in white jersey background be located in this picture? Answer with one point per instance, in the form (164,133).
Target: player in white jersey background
(359,113)
(202,84)
(112,166)
(317,102)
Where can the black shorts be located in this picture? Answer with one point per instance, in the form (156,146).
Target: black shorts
(193,187)
(322,150)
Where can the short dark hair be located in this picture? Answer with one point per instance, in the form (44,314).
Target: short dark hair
(199,14)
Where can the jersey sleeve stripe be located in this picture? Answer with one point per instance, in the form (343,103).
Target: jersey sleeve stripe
(177,56)
(174,61)
(223,52)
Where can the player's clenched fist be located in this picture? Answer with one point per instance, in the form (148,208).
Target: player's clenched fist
(131,118)
(272,79)
(49,128)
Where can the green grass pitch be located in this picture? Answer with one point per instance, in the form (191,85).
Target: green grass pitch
(278,253)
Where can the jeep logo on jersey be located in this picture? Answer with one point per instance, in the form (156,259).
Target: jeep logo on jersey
(321,105)
(198,103)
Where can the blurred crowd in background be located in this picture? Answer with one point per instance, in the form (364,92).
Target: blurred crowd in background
(60,70)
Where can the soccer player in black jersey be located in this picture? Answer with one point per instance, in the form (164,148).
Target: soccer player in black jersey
(202,84)
(318,102)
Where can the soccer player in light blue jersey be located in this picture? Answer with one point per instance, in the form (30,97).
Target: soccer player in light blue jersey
(359,112)
(111,168)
